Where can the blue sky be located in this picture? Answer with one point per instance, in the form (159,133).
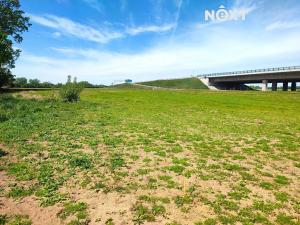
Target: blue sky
(105,41)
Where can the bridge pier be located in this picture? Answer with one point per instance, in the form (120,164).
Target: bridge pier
(294,86)
(274,86)
(265,85)
(285,86)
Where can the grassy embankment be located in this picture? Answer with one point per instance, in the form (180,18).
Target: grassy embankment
(185,83)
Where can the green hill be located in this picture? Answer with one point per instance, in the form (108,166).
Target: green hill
(185,83)
(127,86)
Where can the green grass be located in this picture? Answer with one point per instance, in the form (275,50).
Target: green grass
(19,192)
(283,219)
(142,214)
(74,209)
(282,180)
(185,83)
(15,220)
(126,86)
(282,196)
(166,151)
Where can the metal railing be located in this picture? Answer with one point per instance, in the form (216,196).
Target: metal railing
(245,72)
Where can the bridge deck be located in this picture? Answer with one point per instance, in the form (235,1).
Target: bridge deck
(254,72)
(238,79)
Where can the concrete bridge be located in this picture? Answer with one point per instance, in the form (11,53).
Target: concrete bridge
(238,80)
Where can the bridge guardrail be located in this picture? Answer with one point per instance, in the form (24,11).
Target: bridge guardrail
(245,72)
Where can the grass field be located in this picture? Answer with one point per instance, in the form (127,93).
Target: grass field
(185,83)
(150,157)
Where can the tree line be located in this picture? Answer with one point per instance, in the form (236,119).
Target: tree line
(22,82)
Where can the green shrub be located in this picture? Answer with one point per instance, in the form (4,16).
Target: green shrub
(70,92)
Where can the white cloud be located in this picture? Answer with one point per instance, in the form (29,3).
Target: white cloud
(178,4)
(211,23)
(56,34)
(97,5)
(244,3)
(69,27)
(150,28)
(280,25)
(44,21)
(229,51)
(193,51)
(246,9)
(104,35)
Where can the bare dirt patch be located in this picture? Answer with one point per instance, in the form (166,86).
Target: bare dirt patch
(30,206)
(29,95)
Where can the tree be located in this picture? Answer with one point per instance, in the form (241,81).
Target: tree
(69,79)
(12,24)
(85,84)
(58,85)
(20,82)
(34,83)
(46,85)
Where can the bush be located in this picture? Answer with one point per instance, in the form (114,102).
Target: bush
(70,92)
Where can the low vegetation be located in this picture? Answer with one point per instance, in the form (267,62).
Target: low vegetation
(70,92)
(122,156)
(185,83)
